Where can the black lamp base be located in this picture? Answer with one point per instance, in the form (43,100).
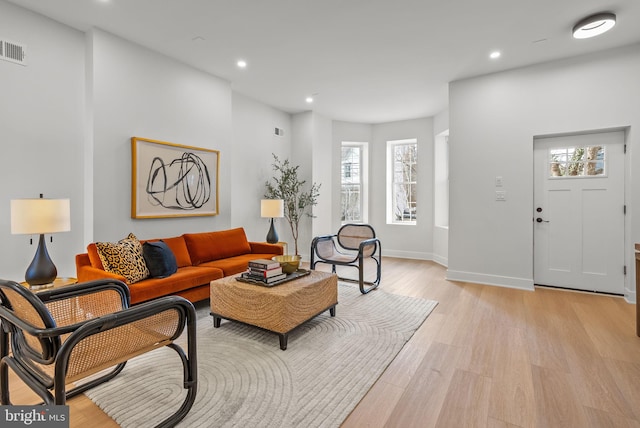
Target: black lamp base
(41,270)
(272,236)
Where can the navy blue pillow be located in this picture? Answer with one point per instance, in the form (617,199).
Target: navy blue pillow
(159,259)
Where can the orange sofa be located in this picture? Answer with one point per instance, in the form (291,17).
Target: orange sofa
(201,258)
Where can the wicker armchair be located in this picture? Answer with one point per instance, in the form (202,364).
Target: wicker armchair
(63,335)
(355,244)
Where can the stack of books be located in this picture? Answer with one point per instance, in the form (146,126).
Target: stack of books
(267,271)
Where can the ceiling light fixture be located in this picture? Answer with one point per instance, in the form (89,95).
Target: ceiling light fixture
(242,63)
(594,25)
(309,100)
(495,55)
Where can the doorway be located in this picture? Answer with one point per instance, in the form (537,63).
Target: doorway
(579,212)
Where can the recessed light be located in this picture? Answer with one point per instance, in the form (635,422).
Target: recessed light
(594,25)
(495,55)
(242,63)
(309,100)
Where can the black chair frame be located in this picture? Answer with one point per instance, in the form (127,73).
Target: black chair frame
(353,256)
(23,360)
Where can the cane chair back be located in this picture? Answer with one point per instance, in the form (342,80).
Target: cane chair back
(350,236)
(351,246)
(35,315)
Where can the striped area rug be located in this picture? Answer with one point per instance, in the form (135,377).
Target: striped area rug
(245,380)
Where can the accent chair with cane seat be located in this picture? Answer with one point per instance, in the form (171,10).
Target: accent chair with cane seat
(66,334)
(351,246)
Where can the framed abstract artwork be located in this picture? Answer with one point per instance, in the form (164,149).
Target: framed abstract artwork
(172,180)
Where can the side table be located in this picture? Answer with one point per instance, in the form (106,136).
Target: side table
(58,282)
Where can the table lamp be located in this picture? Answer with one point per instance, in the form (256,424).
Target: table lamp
(272,208)
(40,216)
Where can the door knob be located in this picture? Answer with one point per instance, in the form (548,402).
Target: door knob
(539,220)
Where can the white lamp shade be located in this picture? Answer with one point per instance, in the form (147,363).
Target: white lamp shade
(271,208)
(38,216)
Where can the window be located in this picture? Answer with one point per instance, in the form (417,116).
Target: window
(574,162)
(353,178)
(402,179)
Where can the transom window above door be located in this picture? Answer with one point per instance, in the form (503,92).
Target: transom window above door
(577,162)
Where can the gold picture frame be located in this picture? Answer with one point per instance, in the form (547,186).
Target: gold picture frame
(173,180)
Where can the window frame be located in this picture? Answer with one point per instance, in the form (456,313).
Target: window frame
(391,182)
(363,182)
(562,162)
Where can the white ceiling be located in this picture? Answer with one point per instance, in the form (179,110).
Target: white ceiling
(366,61)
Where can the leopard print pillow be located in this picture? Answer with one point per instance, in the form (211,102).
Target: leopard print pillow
(124,258)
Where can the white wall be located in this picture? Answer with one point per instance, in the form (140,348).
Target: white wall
(409,241)
(254,143)
(301,152)
(493,120)
(67,120)
(440,196)
(311,150)
(323,173)
(137,92)
(441,122)
(41,133)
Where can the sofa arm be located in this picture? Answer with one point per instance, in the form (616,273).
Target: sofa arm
(89,273)
(265,248)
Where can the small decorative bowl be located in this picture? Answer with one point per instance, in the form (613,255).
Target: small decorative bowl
(288,263)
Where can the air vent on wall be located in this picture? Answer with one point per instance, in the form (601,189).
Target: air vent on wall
(13,52)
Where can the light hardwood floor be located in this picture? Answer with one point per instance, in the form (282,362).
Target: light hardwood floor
(492,357)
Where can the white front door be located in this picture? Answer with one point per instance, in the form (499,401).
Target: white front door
(579,212)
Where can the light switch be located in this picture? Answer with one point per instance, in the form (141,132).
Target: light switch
(498,181)
(501,195)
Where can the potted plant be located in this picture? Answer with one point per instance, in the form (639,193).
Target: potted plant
(287,186)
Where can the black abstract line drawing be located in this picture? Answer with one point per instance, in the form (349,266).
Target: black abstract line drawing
(172,180)
(182,184)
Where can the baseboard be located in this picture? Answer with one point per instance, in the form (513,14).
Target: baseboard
(496,280)
(443,261)
(630,296)
(416,255)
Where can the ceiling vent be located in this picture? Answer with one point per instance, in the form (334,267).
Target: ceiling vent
(13,52)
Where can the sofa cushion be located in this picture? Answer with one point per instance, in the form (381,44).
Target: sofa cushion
(124,258)
(237,264)
(179,249)
(182,281)
(159,259)
(208,246)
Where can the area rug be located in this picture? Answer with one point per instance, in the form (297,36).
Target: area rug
(245,380)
